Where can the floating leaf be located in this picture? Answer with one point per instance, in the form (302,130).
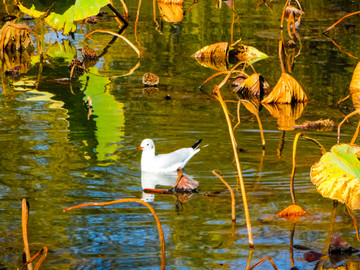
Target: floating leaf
(355,87)
(286,114)
(337,175)
(63,51)
(218,55)
(287,90)
(293,213)
(64,15)
(340,246)
(171,10)
(241,52)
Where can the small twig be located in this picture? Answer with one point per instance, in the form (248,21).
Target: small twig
(264,260)
(42,251)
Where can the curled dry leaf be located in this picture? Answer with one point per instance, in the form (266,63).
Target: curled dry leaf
(355,87)
(241,52)
(287,90)
(337,175)
(292,213)
(322,124)
(286,114)
(291,9)
(171,10)
(251,86)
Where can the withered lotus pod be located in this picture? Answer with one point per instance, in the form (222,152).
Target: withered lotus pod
(287,90)
(253,85)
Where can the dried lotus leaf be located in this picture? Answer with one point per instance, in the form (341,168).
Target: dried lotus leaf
(171,10)
(213,56)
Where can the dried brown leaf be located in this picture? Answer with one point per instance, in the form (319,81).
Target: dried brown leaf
(253,85)
(322,124)
(287,90)
(213,56)
(286,114)
(171,10)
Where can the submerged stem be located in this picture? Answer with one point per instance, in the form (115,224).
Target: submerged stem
(161,233)
(342,122)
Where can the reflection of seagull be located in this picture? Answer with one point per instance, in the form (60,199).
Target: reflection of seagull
(149,180)
(165,162)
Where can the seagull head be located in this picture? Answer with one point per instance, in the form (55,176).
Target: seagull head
(147,145)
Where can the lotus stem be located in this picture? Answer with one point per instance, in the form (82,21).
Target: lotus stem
(348,15)
(161,233)
(323,151)
(342,122)
(229,74)
(233,217)
(24,222)
(219,73)
(264,260)
(340,49)
(120,36)
(242,186)
(118,15)
(280,56)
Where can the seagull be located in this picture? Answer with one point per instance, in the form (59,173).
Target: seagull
(165,162)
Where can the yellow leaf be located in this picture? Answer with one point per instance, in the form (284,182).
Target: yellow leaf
(287,90)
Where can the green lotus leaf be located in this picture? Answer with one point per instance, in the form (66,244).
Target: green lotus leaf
(63,13)
(62,50)
(337,175)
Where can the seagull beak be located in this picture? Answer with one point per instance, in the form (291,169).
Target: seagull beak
(140,147)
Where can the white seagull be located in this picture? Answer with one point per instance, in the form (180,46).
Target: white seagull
(165,162)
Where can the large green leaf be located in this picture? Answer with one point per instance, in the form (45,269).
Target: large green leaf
(64,13)
(337,175)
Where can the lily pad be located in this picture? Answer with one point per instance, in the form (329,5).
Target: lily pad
(64,14)
(337,175)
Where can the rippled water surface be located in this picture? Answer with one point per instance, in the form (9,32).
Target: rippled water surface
(56,155)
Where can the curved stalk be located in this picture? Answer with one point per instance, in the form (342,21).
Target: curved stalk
(24,223)
(342,122)
(233,217)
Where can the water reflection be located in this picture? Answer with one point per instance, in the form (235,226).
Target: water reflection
(151,180)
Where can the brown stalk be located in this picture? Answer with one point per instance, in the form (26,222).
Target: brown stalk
(238,115)
(233,141)
(219,73)
(136,22)
(323,151)
(342,122)
(264,260)
(24,223)
(348,15)
(233,217)
(280,56)
(233,70)
(161,234)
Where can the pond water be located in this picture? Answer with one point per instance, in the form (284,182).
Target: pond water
(56,155)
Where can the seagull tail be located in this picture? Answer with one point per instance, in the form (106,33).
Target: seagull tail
(196,144)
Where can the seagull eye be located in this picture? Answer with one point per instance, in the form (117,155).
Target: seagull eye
(147,144)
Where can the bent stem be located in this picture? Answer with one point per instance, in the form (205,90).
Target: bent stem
(331,227)
(42,251)
(115,34)
(264,260)
(233,218)
(161,233)
(24,223)
(233,141)
(342,122)
(354,222)
(323,151)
